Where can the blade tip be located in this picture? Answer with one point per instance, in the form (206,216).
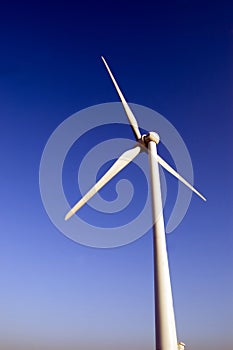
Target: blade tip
(68,215)
(202,197)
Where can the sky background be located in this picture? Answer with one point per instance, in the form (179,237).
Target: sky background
(172,56)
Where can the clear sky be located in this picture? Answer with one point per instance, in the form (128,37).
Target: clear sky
(172,56)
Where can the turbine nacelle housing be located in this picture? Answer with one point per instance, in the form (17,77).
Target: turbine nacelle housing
(151,136)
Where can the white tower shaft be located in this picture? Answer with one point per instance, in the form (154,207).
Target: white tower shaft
(165,327)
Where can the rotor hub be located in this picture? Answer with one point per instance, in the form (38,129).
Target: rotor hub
(151,136)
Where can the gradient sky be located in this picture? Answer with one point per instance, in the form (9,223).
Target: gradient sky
(172,56)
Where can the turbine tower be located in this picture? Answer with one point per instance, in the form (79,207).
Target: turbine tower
(165,327)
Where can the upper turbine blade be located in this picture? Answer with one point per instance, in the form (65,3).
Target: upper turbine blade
(129,113)
(179,177)
(120,163)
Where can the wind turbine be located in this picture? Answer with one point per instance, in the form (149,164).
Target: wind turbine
(165,326)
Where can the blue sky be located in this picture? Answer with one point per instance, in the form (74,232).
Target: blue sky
(174,57)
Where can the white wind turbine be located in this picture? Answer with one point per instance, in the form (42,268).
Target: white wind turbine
(165,327)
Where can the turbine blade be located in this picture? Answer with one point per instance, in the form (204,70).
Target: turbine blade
(120,164)
(129,113)
(179,177)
